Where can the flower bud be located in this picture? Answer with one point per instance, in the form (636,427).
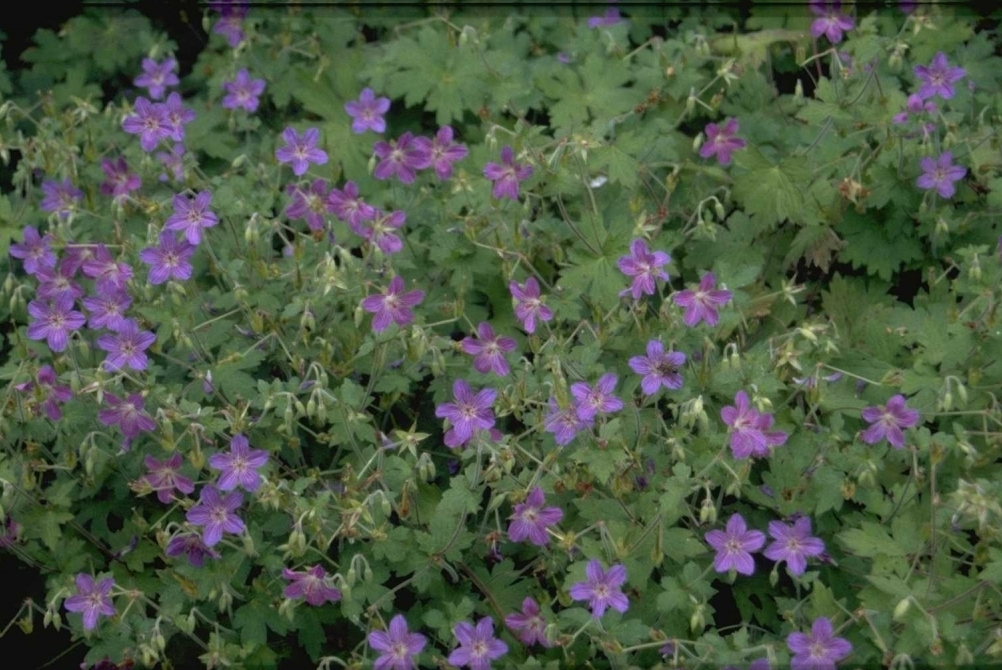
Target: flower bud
(798,91)
(901,609)
(697,141)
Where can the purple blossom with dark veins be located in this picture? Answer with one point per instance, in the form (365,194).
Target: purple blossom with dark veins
(400,157)
(602,589)
(831,22)
(397,646)
(53,320)
(173,162)
(177,116)
(749,430)
(888,421)
(477,646)
(34,252)
(243,92)
(565,423)
(658,368)
(54,284)
(301,150)
(610,18)
(598,399)
(793,544)
(156,77)
(938,77)
(171,259)
(528,304)
(367,112)
(191,216)
(191,545)
(820,650)
(380,231)
(120,181)
(164,477)
(940,173)
(645,268)
(92,599)
(107,309)
(216,514)
(701,304)
(127,414)
(722,142)
(735,545)
(240,466)
(108,275)
(470,413)
(441,152)
(149,121)
(310,586)
(488,350)
(530,519)
(309,203)
(126,347)
(507,175)
(61,197)
(392,305)
(529,624)
(348,206)
(77,255)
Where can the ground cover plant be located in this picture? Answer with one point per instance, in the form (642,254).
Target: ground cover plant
(490,337)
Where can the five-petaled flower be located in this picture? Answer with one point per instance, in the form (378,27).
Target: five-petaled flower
(528,305)
(310,586)
(171,259)
(793,544)
(35,252)
(243,92)
(645,267)
(750,434)
(92,598)
(602,589)
(940,173)
(507,175)
(367,112)
(347,205)
(240,466)
(565,423)
(819,650)
(61,197)
(107,309)
(52,393)
(938,78)
(164,477)
(392,305)
(598,399)
(397,646)
(471,412)
(529,624)
(488,350)
(888,421)
(53,320)
(191,216)
(441,152)
(831,22)
(177,116)
(477,646)
(701,304)
(722,142)
(216,514)
(156,77)
(127,414)
(659,368)
(301,150)
(734,546)
(127,346)
(191,545)
(149,121)
(120,181)
(401,157)
(108,274)
(309,203)
(530,519)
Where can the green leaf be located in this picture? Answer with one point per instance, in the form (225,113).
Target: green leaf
(770,192)
(870,540)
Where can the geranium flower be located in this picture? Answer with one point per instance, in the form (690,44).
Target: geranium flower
(507,175)
(397,646)
(530,519)
(820,650)
(722,142)
(367,112)
(392,305)
(889,421)
(735,545)
(645,267)
(91,599)
(602,589)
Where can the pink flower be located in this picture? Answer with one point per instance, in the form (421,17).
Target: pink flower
(528,305)
(392,305)
(701,304)
(310,586)
(644,267)
(734,546)
(722,142)
(529,624)
(489,349)
(750,435)
(530,519)
(507,175)
(889,421)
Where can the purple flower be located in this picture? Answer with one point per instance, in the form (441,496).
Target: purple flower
(602,589)
(507,175)
(380,232)
(217,514)
(367,112)
(441,152)
(91,599)
(598,399)
(127,414)
(107,309)
(397,646)
(301,150)
(793,544)
(528,305)
(820,650)
(701,304)
(470,413)
(488,349)
(530,519)
(120,182)
(831,22)
(53,393)
(348,206)
(53,320)
(192,546)
(150,122)
(60,197)
(400,157)
(173,161)
(644,267)
(565,423)
(888,422)
(230,24)
(610,18)
(658,368)
(310,586)
(915,105)
(164,477)
(177,116)
(477,646)
(243,92)
(109,275)
(940,173)
(734,546)
(191,216)
(171,259)
(938,77)
(57,284)
(749,430)
(309,204)
(722,142)
(126,347)
(240,466)
(35,253)
(156,77)
(529,624)
(392,305)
